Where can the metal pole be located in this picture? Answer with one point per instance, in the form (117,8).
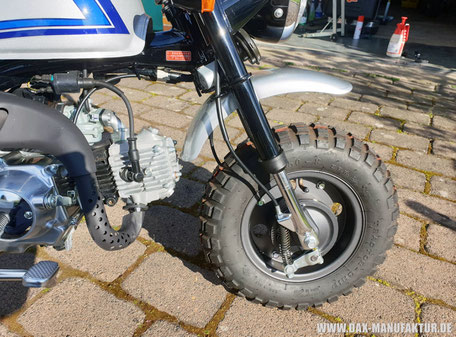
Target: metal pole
(299,216)
(334,17)
(342,17)
(12,274)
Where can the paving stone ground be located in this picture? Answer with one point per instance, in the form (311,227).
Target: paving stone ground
(161,285)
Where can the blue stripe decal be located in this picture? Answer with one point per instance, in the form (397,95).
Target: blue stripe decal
(94,16)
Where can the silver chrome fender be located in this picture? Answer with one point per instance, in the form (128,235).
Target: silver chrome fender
(276,82)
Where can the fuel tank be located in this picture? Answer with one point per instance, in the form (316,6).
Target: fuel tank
(72,29)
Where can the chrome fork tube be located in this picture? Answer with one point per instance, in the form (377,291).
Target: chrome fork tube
(300,217)
(216,30)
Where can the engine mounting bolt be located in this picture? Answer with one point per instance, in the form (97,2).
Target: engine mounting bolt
(28,215)
(321,185)
(278,13)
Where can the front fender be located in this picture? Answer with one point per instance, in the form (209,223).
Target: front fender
(273,83)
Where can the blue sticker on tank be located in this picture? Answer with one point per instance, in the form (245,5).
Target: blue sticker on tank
(108,22)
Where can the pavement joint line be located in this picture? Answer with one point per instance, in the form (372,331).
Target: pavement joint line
(419,300)
(151,248)
(424,238)
(430,195)
(324,315)
(411,293)
(394,155)
(432,256)
(427,185)
(348,115)
(431,146)
(211,327)
(430,173)
(417,218)
(115,288)
(192,210)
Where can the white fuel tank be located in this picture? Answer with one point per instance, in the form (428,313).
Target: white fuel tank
(71,29)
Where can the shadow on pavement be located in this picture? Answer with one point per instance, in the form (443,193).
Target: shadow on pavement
(12,294)
(438,217)
(177,228)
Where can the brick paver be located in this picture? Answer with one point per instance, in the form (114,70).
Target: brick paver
(440,242)
(245,319)
(427,276)
(79,308)
(182,289)
(424,162)
(163,328)
(408,233)
(361,308)
(161,285)
(87,256)
(400,139)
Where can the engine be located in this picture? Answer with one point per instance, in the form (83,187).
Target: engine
(160,164)
(158,159)
(39,202)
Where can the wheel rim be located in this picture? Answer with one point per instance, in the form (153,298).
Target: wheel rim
(337,211)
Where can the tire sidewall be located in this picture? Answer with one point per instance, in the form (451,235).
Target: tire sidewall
(373,242)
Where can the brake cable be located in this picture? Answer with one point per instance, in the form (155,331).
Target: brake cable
(226,138)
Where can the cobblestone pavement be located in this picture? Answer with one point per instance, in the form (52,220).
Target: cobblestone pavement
(161,285)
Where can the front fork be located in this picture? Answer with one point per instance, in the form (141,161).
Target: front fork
(217,31)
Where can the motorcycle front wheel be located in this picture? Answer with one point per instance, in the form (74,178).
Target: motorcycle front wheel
(349,194)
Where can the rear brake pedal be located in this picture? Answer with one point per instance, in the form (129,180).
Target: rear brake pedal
(41,274)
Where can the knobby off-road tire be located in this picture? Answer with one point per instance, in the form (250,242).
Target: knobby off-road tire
(317,149)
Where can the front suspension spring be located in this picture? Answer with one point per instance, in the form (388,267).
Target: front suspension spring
(285,245)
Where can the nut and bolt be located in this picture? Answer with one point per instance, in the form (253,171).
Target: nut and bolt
(157,149)
(314,258)
(52,169)
(321,185)
(278,13)
(148,172)
(28,215)
(311,241)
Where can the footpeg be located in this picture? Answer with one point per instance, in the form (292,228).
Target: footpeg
(40,275)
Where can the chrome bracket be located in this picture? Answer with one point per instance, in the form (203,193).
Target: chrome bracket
(308,259)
